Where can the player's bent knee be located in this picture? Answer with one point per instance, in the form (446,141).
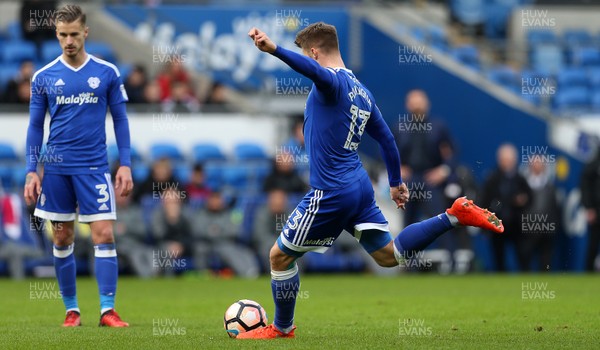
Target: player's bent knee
(279,260)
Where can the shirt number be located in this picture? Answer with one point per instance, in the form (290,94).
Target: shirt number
(356,115)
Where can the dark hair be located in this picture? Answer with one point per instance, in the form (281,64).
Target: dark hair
(70,14)
(318,35)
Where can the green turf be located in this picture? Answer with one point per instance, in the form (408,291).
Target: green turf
(335,312)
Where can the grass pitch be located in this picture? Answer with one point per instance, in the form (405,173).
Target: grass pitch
(333,312)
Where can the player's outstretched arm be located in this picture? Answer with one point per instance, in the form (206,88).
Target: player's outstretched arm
(379,130)
(33,144)
(322,77)
(123,178)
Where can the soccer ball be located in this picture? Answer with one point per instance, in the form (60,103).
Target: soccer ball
(243,316)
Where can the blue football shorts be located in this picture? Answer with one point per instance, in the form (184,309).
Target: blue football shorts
(63,196)
(322,215)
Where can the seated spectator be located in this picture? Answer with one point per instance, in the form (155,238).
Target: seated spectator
(268,224)
(172,228)
(181,100)
(284,176)
(132,236)
(152,97)
(172,73)
(216,232)
(135,84)
(196,190)
(13,91)
(160,179)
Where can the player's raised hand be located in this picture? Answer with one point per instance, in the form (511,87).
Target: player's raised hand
(400,195)
(33,188)
(262,41)
(123,181)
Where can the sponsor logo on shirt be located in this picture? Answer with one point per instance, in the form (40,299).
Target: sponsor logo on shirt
(322,242)
(84,97)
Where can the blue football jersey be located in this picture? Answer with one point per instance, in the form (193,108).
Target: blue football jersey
(77,100)
(333,126)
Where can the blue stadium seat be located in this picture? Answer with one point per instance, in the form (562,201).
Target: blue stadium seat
(18,176)
(536,37)
(468,55)
(438,38)
(213,176)
(572,77)
(203,152)
(113,153)
(139,172)
(7,72)
(14,31)
(249,151)
(505,76)
(594,78)
(419,33)
(165,150)
(124,69)
(6,176)
(575,37)
(469,12)
(547,58)
(50,50)
(574,99)
(182,174)
(101,50)
(8,153)
(236,176)
(595,101)
(586,57)
(17,51)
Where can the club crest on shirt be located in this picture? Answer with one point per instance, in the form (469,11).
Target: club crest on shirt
(94,82)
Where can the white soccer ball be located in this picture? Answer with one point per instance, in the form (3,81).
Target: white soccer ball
(243,316)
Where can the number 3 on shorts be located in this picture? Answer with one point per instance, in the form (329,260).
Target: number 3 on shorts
(295,217)
(102,191)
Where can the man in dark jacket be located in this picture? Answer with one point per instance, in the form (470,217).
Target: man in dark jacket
(590,198)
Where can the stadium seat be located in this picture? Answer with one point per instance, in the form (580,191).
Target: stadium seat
(18,51)
(505,76)
(182,174)
(418,33)
(113,153)
(586,57)
(595,101)
(594,78)
(438,37)
(469,12)
(100,50)
(50,50)
(573,99)
(18,177)
(8,153)
(203,152)
(7,72)
(536,37)
(572,77)
(249,151)
(6,176)
(213,176)
(139,172)
(468,55)
(165,150)
(14,31)
(577,37)
(236,176)
(547,58)
(124,70)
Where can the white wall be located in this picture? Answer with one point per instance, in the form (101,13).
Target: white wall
(184,130)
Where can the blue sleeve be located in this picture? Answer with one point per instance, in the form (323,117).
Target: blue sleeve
(121,124)
(117,93)
(35,132)
(323,78)
(378,129)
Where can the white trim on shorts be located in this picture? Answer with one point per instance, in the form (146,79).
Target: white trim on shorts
(97,217)
(372,226)
(291,246)
(48,215)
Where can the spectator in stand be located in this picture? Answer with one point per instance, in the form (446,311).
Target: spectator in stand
(132,236)
(540,226)
(160,179)
(295,145)
(172,228)
(590,199)
(135,84)
(181,100)
(196,190)
(152,97)
(284,176)
(23,92)
(507,193)
(12,90)
(268,223)
(215,232)
(172,73)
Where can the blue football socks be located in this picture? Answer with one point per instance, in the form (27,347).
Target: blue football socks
(64,265)
(107,271)
(285,286)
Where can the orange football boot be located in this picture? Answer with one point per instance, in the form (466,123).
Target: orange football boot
(268,332)
(469,214)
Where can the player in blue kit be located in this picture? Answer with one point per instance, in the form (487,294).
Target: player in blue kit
(76,88)
(339,109)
